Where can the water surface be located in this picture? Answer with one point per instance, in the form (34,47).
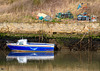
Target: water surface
(58,61)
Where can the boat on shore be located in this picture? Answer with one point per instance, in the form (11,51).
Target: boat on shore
(23,45)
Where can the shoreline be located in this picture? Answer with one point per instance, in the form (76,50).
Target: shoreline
(50,29)
(54,36)
(63,42)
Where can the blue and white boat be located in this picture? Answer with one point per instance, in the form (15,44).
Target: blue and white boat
(23,45)
(23,57)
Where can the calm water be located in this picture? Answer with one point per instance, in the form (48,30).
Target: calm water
(58,61)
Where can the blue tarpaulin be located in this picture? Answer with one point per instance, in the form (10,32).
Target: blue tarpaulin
(79,6)
(40,18)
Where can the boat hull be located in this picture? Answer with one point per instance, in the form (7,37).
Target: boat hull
(39,47)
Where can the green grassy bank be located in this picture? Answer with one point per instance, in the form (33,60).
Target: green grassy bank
(54,36)
(63,41)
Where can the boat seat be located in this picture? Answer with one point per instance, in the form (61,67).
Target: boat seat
(21,43)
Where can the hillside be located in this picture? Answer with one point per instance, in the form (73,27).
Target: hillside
(24,10)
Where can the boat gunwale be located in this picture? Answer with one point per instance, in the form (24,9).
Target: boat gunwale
(31,45)
(48,45)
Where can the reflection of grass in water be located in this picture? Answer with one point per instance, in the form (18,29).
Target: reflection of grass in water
(76,60)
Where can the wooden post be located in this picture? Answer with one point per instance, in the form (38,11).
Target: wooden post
(42,30)
(80,46)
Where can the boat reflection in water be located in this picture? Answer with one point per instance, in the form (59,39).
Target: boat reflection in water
(22,57)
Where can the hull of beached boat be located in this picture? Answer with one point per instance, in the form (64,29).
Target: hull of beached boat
(32,47)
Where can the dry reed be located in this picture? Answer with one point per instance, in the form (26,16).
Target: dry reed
(21,10)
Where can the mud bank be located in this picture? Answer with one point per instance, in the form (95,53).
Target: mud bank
(49,28)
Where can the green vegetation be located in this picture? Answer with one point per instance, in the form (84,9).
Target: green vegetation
(54,36)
